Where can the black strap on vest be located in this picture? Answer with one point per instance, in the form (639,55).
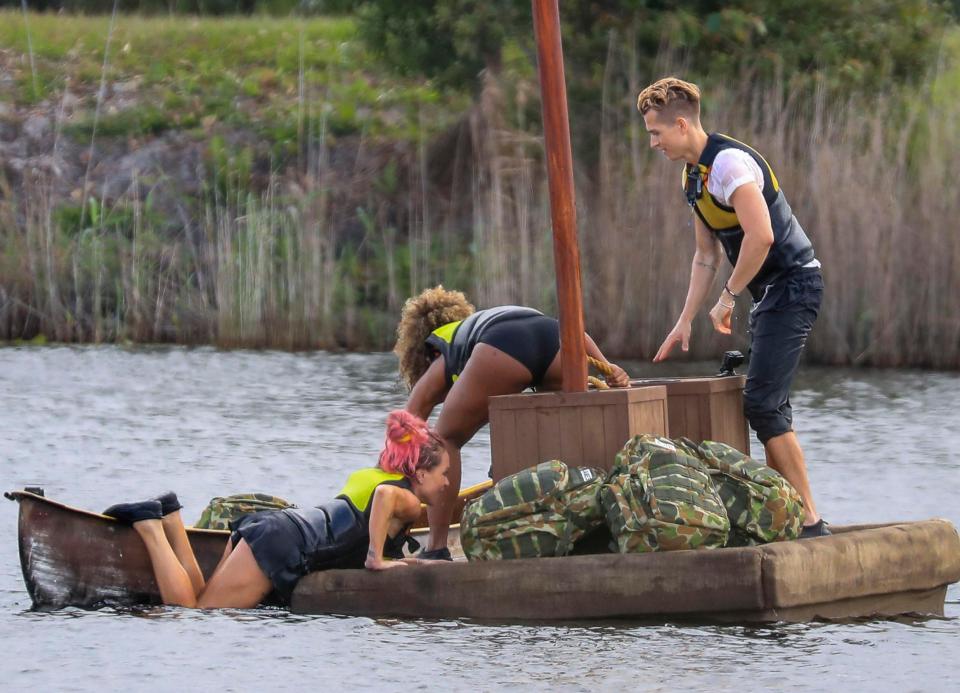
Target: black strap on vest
(694,187)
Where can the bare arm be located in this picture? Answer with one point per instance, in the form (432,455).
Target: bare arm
(754,217)
(429,391)
(619,377)
(393,508)
(702,272)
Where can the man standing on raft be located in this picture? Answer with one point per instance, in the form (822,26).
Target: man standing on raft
(740,209)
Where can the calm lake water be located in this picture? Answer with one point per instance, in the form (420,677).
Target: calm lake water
(94,426)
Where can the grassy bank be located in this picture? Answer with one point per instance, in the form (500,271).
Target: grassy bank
(294,264)
(260,73)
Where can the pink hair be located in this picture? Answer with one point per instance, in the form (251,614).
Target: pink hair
(409,445)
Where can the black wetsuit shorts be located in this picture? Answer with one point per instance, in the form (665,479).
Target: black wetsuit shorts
(532,340)
(288,544)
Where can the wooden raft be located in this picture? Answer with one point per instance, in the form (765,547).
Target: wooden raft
(875,571)
(72,557)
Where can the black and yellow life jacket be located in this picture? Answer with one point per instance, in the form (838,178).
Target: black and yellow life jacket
(358,492)
(362,483)
(456,340)
(791,248)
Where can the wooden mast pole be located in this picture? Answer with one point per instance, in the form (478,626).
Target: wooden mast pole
(566,251)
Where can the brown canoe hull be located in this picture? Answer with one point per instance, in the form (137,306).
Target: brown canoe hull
(73,557)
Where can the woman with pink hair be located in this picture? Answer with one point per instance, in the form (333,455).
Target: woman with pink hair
(364,526)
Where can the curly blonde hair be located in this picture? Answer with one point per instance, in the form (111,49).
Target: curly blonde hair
(422,315)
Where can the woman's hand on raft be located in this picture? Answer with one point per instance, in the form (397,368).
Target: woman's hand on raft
(387,564)
(373,563)
(618,378)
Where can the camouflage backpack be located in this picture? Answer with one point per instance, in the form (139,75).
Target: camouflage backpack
(762,506)
(221,511)
(658,497)
(538,512)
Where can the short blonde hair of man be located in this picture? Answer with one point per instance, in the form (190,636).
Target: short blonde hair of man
(671,97)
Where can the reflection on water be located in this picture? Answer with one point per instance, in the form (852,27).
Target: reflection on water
(94,426)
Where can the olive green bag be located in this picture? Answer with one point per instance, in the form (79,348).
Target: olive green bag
(761,505)
(659,497)
(538,512)
(222,510)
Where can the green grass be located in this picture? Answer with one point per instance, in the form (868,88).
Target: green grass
(241,71)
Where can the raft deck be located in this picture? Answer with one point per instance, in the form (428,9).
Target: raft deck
(879,570)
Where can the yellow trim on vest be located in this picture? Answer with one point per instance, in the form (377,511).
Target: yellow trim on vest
(716,217)
(445,332)
(361,484)
(773,177)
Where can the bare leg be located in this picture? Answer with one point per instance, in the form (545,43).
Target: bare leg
(175,585)
(238,583)
(439,515)
(177,536)
(785,456)
(223,558)
(553,378)
(489,372)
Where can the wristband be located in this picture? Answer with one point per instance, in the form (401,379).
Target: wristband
(728,306)
(727,289)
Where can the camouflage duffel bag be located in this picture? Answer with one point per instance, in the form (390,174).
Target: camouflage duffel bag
(761,505)
(659,497)
(222,510)
(538,512)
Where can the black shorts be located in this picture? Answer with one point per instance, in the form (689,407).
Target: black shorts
(779,324)
(532,340)
(288,544)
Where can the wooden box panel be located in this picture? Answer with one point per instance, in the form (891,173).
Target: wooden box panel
(580,428)
(706,408)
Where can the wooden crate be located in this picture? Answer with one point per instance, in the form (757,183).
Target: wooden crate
(706,408)
(580,428)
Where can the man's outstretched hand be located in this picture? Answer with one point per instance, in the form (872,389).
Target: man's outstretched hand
(680,334)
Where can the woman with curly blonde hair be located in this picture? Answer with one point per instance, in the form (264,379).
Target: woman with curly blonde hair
(452,353)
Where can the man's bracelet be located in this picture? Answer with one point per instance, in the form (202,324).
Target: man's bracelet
(729,306)
(727,289)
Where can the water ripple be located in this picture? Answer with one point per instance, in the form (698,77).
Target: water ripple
(97,425)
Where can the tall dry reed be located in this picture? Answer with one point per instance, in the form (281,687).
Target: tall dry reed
(294,267)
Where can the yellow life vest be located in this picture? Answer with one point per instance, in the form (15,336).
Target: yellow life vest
(362,483)
(455,340)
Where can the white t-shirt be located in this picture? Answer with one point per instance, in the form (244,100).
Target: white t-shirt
(731,169)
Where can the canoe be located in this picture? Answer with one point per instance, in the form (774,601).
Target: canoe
(71,557)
